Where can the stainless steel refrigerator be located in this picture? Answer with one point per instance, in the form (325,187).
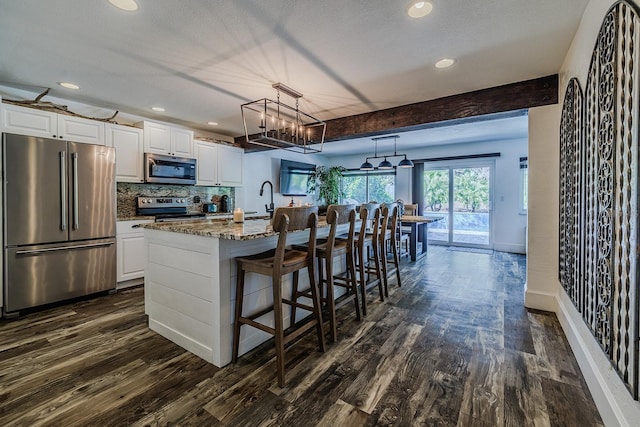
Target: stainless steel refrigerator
(59,220)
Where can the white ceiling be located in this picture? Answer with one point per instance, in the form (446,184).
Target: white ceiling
(201,59)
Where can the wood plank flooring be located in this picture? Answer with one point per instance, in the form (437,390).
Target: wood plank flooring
(453,347)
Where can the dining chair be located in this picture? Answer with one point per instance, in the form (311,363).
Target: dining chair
(404,232)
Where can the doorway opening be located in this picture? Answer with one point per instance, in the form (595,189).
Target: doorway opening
(462,194)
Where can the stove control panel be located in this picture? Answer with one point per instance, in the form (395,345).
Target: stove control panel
(162,202)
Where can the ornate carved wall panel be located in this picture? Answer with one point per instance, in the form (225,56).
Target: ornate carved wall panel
(599,192)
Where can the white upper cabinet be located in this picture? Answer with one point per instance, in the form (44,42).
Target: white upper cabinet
(45,124)
(128,143)
(230,164)
(218,165)
(206,163)
(77,129)
(182,142)
(167,140)
(29,121)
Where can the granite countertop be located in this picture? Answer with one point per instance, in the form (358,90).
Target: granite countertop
(136,218)
(248,230)
(218,215)
(253,229)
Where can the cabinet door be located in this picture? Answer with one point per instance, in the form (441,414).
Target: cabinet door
(182,142)
(77,129)
(131,256)
(206,163)
(230,166)
(157,138)
(131,249)
(129,152)
(29,121)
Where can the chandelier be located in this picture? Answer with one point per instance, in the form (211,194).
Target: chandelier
(386,164)
(275,124)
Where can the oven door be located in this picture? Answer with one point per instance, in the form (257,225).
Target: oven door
(161,169)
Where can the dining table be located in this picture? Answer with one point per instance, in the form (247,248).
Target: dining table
(419,227)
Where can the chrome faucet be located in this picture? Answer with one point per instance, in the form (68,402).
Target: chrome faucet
(270,206)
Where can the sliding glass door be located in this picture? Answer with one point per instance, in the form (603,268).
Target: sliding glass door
(462,195)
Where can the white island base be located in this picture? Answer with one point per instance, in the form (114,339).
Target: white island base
(190,288)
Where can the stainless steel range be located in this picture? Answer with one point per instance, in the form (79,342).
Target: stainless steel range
(166,209)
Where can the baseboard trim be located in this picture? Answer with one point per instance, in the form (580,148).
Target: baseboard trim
(183,341)
(598,379)
(545,301)
(510,247)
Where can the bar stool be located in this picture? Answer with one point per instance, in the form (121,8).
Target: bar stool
(389,239)
(276,263)
(326,250)
(367,243)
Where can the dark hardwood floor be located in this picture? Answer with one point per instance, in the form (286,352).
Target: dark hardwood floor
(453,346)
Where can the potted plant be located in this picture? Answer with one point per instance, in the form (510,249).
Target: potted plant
(325,182)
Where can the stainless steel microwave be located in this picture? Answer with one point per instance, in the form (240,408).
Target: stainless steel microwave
(161,169)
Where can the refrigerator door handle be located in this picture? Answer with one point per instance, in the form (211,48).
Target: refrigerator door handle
(76,221)
(63,248)
(63,191)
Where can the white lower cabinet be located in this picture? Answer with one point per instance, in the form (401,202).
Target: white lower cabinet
(131,252)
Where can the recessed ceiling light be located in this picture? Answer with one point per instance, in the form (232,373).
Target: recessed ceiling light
(160,109)
(69,85)
(212,123)
(128,5)
(419,9)
(444,63)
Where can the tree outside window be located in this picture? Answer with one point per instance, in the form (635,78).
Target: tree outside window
(362,187)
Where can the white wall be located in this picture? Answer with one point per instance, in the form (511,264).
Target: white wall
(508,224)
(265,165)
(614,402)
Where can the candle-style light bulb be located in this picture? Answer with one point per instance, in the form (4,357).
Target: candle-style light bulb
(262,121)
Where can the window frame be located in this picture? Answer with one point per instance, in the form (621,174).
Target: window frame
(367,174)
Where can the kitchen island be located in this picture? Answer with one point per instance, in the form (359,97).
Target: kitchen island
(190,279)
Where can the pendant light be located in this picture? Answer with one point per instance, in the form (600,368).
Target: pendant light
(405,163)
(386,164)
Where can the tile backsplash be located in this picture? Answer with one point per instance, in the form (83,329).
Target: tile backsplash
(127,193)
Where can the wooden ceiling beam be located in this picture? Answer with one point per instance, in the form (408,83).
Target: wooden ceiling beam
(499,99)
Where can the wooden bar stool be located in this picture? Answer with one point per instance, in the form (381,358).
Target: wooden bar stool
(276,263)
(389,242)
(326,250)
(367,243)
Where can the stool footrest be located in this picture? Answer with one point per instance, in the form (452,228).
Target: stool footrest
(290,336)
(299,305)
(262,327)
(258,314)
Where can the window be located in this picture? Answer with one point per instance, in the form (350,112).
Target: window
(362,187)
(524,186)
